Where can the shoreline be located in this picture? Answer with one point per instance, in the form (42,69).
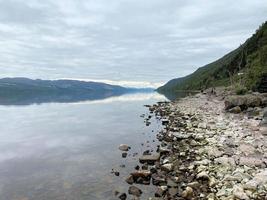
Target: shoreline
(204,153)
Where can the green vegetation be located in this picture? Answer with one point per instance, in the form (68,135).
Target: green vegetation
(241,69)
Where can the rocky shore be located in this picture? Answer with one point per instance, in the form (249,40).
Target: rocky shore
(211,147)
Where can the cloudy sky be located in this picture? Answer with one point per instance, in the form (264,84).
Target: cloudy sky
(121,40)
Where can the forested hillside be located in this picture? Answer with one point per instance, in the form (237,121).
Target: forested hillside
(242,68)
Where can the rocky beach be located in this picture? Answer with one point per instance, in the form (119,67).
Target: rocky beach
(210,147)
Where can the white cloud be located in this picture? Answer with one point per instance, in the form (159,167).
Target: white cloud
(133,40)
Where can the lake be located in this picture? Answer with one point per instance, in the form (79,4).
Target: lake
(65,151)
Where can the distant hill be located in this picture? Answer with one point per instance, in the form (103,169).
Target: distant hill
(21,91)
(244,67)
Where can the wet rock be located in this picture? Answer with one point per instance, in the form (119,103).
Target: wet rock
(124,155)
(145,167)
(165,121)
(116,193)
(150,159)
(153,170)
(160,192)
(142,177)
(124,147)
(123,196)
(133,190)
(147,152)
(141,173)
(117,173)
(158,179)
(137,167)
(129,180)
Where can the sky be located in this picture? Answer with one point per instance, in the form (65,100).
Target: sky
(134,42)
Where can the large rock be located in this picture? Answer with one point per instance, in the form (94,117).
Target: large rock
(251,161)
(135,191)
(130,180)
(124,147)
(243,102)
(142,177)
(150,159)
(188,193)
(141,173)
(235,110)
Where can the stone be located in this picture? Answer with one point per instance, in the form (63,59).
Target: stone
(214,152)
(133,190)
(259,179)
(212,182)
(194,184)
(247,149)
(158,179)
(181,136)
(124,155)
(117,173)
(203,162)
(188,193)
(116,192)
(124,147)
(251,161)
(137,167)
(122,196)
(235,110)
(159,192)
(239,193)
(203,176)
(202,125)
(243,101)
(225,161)
(141,173)
(167,167)
(173,191)
(129,180)
(164,121)
(150,159)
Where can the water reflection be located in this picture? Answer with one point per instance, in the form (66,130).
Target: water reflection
(65,151)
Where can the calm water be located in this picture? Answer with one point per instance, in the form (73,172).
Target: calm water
(60,151)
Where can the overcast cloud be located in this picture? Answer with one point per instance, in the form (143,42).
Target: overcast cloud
(121,40)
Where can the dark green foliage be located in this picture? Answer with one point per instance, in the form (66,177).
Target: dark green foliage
(241,90)
(243,66)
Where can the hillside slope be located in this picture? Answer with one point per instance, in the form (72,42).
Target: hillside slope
(243,67)
(21,91)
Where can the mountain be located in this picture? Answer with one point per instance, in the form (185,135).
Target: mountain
(22,91)
(244,67)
